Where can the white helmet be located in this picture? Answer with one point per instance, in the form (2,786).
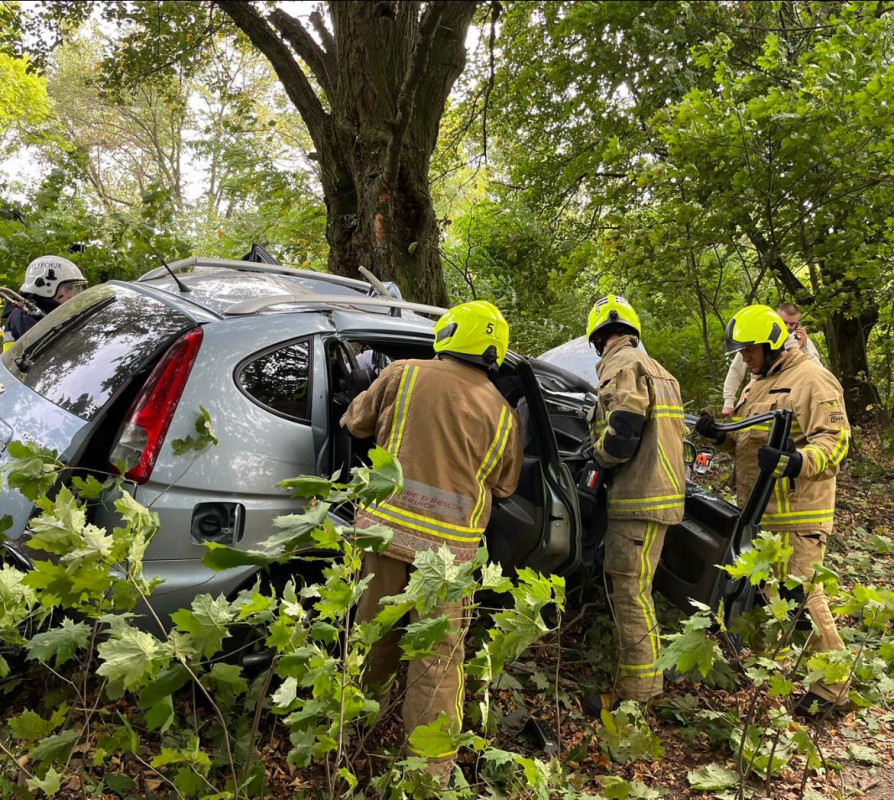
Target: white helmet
(44,274)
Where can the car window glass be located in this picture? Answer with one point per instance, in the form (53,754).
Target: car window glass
(280,380)
(79,356)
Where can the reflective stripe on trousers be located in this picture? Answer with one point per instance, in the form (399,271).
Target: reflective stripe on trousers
(632,551)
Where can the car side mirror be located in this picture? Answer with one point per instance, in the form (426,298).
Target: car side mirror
(689,453)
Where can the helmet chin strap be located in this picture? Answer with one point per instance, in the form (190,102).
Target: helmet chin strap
(770,358)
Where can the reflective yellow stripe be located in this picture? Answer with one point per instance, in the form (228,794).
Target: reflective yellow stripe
(672,411)
(439,523)
(822,460)
(647,500)
(800,517)
(491,459)
(637,672)
(645,583)
(639,509)
(841,448)
(8,345)
(665,463)
(404,390)
(425,525)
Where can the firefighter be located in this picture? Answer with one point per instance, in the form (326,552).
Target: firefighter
(459,444)
(803,504)
(637,430)
(50,281)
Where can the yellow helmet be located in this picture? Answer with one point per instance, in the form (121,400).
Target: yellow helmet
(475,332)
(612,310)
(755,325)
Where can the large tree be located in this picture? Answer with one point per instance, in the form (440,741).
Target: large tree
(371,84)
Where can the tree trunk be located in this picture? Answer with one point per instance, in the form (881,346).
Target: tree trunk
(385,70)
(847,352)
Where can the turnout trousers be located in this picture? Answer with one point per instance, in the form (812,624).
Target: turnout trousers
(809,549)
(632,550)
(435,684)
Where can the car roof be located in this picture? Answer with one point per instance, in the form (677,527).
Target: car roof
(238,288)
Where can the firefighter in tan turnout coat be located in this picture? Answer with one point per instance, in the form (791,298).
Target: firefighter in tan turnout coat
(458,442)
(802,507)
(637,430)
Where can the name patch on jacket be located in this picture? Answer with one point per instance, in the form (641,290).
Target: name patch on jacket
(431,499)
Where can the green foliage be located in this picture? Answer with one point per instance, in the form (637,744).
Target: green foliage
(712,778)
(203,437)
(693,649)
(627,737)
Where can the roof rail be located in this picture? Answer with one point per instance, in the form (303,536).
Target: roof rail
(248,266)
(316,300)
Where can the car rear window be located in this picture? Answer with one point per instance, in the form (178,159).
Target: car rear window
(86,350)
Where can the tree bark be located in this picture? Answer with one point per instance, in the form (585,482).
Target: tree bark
(847,350)
(385,71)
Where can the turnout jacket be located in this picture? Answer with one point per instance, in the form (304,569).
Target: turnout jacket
(637,427)
(458,442)
(820,430)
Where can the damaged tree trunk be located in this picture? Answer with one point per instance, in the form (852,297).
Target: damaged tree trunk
(384,71)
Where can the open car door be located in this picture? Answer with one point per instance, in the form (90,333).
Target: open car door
(714,533)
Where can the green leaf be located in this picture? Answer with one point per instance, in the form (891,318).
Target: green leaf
(49,784)
(226,681)
(59,643)
(160,715)
(133,658)
(30,726)
(763,561)
(220,557)
(203,438)
(375,538)
(308,486)
(206,623)
(865,755)
(165,685)
(119,784)
(422,638)
(436,739)
(54,748)
(381,481)
(712,778)
(91,488)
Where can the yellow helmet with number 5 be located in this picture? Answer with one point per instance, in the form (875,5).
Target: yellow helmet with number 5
(755,325)
(474,332)
(611,310)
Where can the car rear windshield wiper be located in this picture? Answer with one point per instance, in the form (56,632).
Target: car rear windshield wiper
(33,350)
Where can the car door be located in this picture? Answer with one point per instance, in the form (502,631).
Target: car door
(714,533)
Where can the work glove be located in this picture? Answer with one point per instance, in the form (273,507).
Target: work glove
(707,428)
(784,463)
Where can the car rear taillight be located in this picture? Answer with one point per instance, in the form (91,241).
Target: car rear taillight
(146,424)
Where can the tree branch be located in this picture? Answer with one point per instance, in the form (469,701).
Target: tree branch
(330,49)
(445,63)
(428,27)
(294,81)
(306,48)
